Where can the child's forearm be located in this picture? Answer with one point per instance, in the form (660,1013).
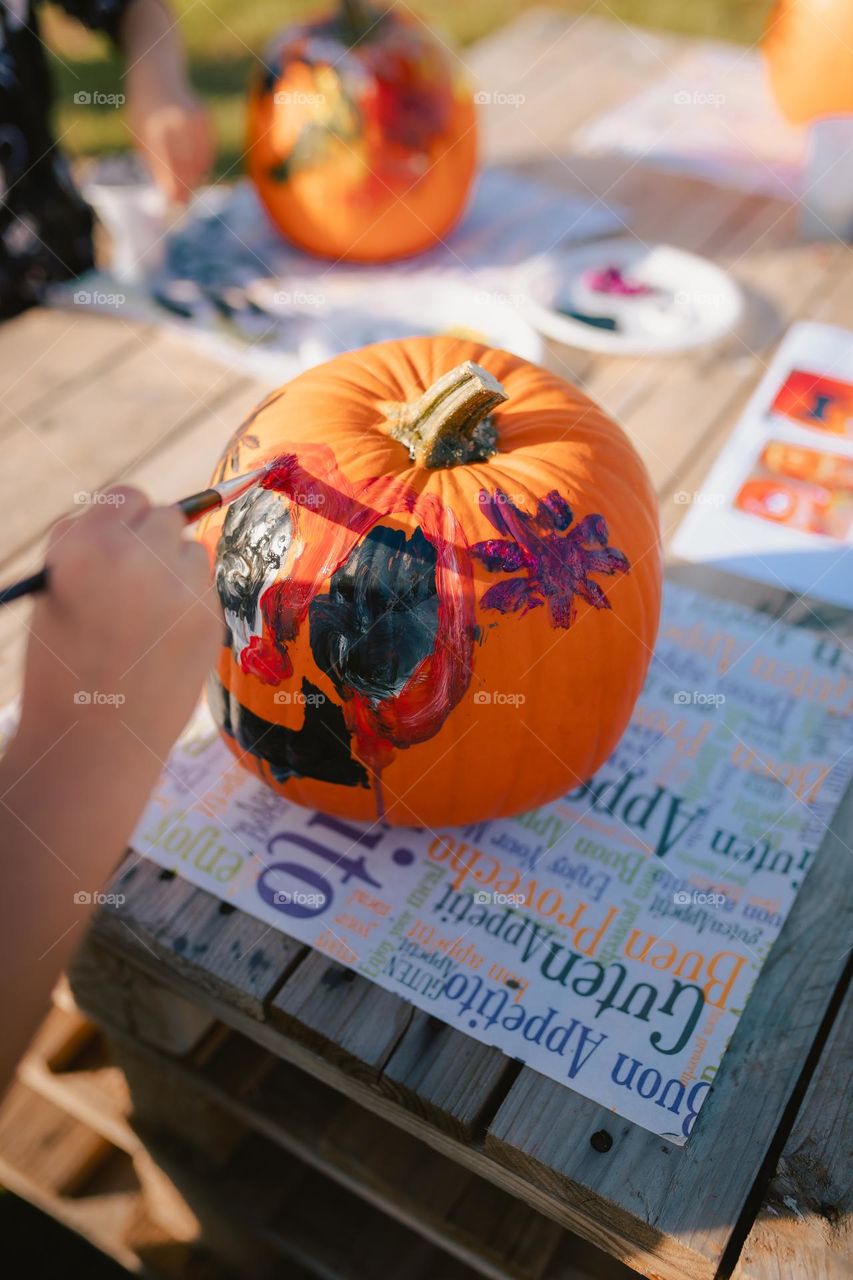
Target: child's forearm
(169,125)
(69,799)
(152,46)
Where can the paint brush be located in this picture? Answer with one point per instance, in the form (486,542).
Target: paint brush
(193,508)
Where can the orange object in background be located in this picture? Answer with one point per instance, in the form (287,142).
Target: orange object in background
(808,49)
(362,135)
(829,469)
(792,503)
(816,401)
(798,504)
(442,600)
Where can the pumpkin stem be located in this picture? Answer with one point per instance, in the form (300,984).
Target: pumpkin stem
(450,424)
(357,18)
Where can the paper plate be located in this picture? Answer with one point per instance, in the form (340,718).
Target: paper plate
(338,316)
(679,300)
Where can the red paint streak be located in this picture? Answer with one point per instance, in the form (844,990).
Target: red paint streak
(280,473)
(265,659)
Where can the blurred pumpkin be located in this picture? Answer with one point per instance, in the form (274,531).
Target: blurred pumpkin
(442,600)
(808,48)
(362,135)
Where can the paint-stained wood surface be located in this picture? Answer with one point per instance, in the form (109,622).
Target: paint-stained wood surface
(85,401)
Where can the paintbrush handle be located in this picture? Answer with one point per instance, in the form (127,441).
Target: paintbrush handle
(199,504)
(26,587)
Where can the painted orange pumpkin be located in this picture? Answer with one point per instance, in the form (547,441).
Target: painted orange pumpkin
(442,599)
(808,49)
(362,135)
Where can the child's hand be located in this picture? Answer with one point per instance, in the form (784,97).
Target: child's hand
(170,126)
(172,133)
(121,641)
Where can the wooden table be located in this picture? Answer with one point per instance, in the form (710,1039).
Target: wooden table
(239,1040)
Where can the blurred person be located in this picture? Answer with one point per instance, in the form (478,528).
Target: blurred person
(45,225)
(119,647)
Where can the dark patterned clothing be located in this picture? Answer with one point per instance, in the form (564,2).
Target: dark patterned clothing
(45,225)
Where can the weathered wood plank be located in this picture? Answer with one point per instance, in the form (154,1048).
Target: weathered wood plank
(68,1064)
(235,957)
(530,109)
(805,1224)
(76,444)
(310,1221)
(45,353)
(447,1077)
(348,1018)
(41,1148)
(67,1145)
(120,996)
(118,1017)
(31,1127)
(481,1225)
(443,1074)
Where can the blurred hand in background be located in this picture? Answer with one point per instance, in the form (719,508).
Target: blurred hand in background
(171,127)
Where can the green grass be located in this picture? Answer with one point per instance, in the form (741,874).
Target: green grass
(221,35)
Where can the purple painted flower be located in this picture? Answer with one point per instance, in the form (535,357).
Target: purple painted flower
(554,560)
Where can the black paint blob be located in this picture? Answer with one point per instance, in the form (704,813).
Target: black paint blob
(380,617)
(320,749)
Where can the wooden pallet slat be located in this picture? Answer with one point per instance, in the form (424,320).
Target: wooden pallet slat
(805,1224)
(452,1208)
(442,1074)
(236,957)
(349,1018)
